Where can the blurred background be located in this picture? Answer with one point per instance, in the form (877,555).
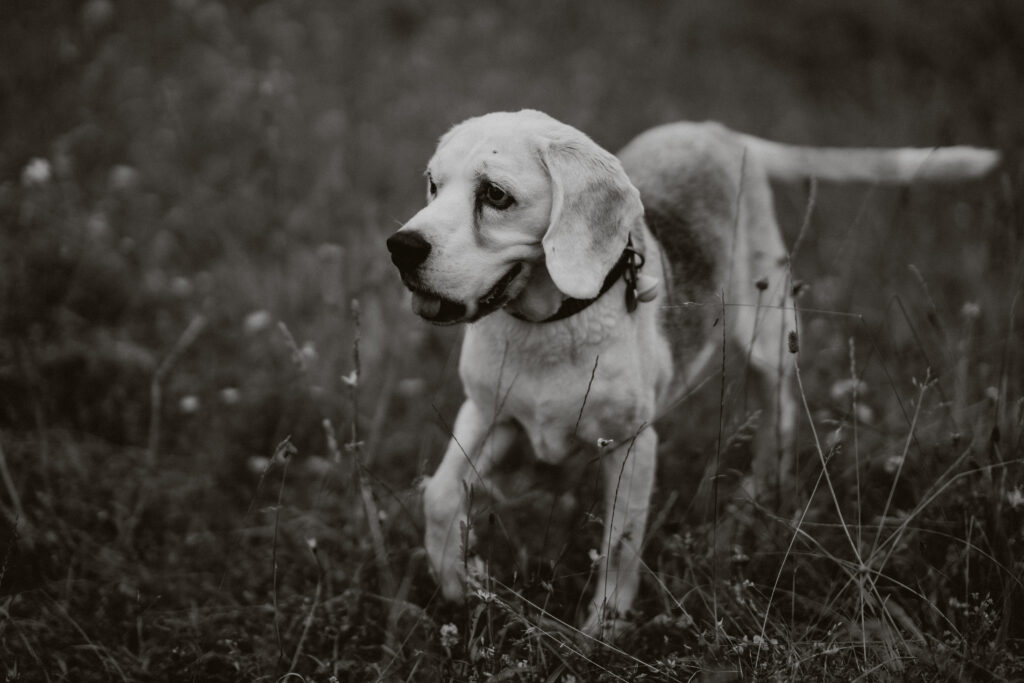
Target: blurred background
(180,179)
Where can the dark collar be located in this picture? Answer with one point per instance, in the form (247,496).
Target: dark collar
(628,264)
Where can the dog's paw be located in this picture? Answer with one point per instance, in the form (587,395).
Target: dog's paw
(605,627)
(456,573)
(450,574)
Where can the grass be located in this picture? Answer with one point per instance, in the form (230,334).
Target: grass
(209,454)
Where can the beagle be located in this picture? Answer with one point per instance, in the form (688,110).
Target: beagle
(591,284)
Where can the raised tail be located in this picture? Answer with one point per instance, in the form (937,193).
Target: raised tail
(902,165)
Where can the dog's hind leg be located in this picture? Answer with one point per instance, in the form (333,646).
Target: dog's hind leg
(628,473)
(477,444)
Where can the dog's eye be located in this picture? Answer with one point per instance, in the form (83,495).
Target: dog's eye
(431,187)
(495,196)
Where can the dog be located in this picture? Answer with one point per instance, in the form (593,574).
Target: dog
(592,285)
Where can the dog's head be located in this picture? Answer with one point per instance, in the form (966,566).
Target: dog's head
(520,208)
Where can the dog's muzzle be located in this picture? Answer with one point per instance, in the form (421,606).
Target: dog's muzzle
(409,250)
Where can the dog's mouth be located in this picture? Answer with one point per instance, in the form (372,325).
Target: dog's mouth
(437,309)
(498,295)
(440,310)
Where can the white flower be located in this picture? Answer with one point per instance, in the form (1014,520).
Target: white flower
(188,404)
(1015,498)
(36,172)
(181,287)
(893,463)
(845,388)
(257,321)
(230,395)
(258,464)
(309,353)
(123,177)
(449,636)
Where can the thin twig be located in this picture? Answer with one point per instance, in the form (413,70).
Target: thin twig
(370,509)
(308,622)
(593,373)
(284,451)
(12,491)
(187,338)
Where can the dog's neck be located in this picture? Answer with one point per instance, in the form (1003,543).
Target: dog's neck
(544,344)
(542,302)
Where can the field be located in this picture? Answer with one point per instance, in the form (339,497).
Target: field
(216,405)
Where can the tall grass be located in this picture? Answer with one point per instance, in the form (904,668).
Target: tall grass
(221,501)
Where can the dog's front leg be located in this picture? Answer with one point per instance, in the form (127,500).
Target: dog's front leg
(477,443)
(628,473)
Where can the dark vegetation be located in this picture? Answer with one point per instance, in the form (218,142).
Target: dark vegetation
(195,485)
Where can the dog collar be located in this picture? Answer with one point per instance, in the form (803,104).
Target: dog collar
(626,267)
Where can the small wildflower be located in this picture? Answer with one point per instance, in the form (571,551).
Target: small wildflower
(865,414)
(893,463)
(449,636)
(846,387)
(36,172)
(96,14)
(1015,498)
(97,226)
(309,354)
(257,464)
(992,394)
(230,396)
(485,595)
(351,379)
(311,544)
(123,177)
(604,443)
(257,321)
(738,556)
(188,404)
(181,287)
(410,387)
(594,556)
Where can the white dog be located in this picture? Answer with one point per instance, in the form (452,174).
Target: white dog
(553,248)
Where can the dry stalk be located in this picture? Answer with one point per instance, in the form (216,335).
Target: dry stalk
(187,338)
(356,446)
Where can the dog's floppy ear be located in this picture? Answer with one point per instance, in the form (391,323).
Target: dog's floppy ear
(593,207)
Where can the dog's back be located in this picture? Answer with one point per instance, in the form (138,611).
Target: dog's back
(708,203)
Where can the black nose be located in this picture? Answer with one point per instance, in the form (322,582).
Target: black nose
(408,250)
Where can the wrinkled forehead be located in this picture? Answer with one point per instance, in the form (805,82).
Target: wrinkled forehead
(505,143)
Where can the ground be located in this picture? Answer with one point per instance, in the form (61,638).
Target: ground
(216,406)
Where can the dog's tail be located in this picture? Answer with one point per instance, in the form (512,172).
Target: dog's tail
(871,165)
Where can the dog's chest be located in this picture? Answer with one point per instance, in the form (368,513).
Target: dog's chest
(564,399)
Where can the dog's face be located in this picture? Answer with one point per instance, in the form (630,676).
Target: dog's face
(518,204)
